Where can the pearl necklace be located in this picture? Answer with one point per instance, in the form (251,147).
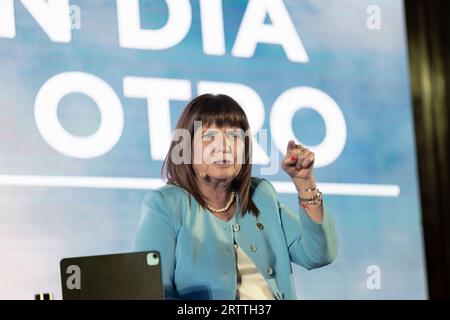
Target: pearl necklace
(227,206)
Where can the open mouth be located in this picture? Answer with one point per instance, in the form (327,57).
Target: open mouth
(223,162)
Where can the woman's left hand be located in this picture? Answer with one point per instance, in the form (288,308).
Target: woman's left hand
(298,162)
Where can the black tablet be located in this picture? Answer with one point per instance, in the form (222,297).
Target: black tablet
(124,276)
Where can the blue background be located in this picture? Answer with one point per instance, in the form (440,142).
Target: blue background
(364,71)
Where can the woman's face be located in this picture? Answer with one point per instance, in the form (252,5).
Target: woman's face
(218,152)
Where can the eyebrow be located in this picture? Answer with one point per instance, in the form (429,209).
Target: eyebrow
(211,131)
(229,131)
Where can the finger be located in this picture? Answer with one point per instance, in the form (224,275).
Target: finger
(308,161)
(291,145)
(290,161)
(293,148)
(302,155)
(298,165)
(290,170)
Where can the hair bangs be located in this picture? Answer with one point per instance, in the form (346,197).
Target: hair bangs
(223,112)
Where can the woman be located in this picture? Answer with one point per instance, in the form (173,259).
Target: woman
(223,234)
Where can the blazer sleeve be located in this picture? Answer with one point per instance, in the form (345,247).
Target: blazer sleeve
(311,245)
(156,232)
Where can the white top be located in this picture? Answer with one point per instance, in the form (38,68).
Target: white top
(251,285)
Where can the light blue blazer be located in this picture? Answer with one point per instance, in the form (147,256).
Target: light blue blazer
(197,248)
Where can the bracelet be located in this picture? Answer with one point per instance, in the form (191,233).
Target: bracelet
(312,189)
(317,199)
(312,198)
(309,189)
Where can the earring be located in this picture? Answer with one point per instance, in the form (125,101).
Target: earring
(202,174)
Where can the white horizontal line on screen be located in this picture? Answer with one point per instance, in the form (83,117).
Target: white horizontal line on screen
(352,189)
